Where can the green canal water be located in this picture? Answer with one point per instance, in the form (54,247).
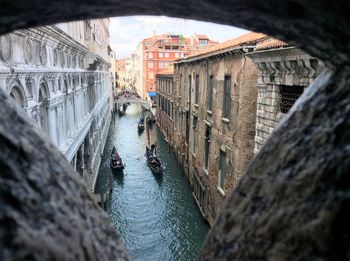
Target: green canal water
(156,216)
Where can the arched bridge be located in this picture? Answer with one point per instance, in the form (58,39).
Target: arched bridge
(132,100)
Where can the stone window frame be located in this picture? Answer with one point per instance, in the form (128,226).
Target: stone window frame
(222,162)
(284,109)
(210,95)
(194,134)
(207,142)
(226,100)
(196,90)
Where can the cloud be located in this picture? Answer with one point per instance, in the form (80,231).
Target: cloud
(127,32)
(153,20)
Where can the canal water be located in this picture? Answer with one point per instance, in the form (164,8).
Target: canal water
(156,215)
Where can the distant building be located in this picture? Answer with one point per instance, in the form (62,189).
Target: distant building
(113,70)
(159,53)
(121,74)
(165,102)
(59,75)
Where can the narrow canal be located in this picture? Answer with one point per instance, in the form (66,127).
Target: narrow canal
(156,216)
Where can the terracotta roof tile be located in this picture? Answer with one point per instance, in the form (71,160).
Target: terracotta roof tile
(270,43)
(235,42)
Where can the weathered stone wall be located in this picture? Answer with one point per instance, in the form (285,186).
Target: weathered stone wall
(181,98)
(165,101)
(234,135)
(282,66)
(243,139)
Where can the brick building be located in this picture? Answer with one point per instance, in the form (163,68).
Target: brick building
(121,74)
(159,53)
(214,118)
(223,103)
(165,101)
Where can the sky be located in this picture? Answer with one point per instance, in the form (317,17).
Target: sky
(126,32)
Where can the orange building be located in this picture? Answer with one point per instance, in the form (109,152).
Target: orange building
(160,51)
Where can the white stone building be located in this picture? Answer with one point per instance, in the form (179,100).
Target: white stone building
(59,74)
(284,72)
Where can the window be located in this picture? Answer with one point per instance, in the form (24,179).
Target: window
(195,135)
(150,75)
(288,96)
(160,55)
(222,171)
(210,93)
(171,110)
(203,42)
(176,55)
(196,97)
(160,64)
(187,127)
(150,64)
(189,89)
(150,55)
(183,55)
(166,55)
(166,64)
(206,146)
(227,97)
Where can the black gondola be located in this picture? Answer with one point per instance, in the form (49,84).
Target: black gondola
(141,125)
(121,112)
(149,120)
(153,161)
(122,109)
(116,162)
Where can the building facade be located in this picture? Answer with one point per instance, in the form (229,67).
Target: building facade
(59,75)
(165,101)
(212,105)
(159,53)
(223,104)
(284,72)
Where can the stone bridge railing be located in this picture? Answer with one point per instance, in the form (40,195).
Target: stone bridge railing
(141,102)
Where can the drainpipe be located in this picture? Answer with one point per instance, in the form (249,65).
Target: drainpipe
(188,123)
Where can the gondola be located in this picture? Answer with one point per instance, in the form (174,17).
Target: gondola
(121,112)
(122,109)
(141,125)
(116,162)
(149,121)
(153,161)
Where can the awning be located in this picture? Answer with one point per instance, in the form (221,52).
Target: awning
(152,94)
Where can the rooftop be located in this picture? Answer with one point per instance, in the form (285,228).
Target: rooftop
(270,43)
(245,39)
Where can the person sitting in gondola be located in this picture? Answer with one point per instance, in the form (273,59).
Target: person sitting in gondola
(153,147)
(152,160)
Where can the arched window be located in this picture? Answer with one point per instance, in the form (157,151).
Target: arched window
(43,107)
(17,94)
